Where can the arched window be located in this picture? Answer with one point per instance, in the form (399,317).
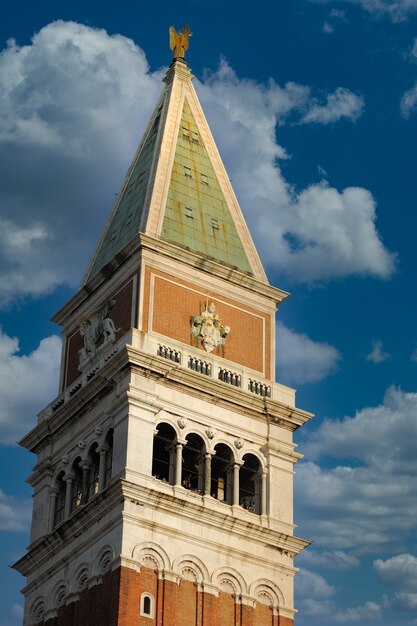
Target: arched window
(77,485)
(193,463)
(222,474)
(147,605)
(250,484)
(109,457)
(61,487)
(163,455)
(93,481)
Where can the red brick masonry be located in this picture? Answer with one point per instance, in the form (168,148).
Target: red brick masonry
(116,602)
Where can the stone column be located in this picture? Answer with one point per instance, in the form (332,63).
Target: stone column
(178,463)
(102,468)
(263,493)
(85,487)
(53,492)
(68,495)
(236,467)
(207,474)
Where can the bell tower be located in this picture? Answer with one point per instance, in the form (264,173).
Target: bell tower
(163,487)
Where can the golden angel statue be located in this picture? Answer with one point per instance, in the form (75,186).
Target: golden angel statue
(178,42)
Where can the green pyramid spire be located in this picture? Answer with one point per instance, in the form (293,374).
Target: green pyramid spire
(196,215)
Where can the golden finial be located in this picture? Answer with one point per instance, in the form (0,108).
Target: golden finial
(178,42)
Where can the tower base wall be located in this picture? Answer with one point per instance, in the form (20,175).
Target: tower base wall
(118,600)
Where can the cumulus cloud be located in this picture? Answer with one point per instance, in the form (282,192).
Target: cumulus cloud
(337,560)
(27,384)
(370,495)
(313,585)
(64,146)
(377,355)
(73,106)
(301,360)
(15,514)
(398,572)
(343,103)
(319,233)
(409,102)
(327,610)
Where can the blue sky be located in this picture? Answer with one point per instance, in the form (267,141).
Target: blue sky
(314,109)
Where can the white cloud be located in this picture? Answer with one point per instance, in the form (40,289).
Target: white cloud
(313,585)
(409,102)
(377,355)
(329,611)
(15,514)
(73,107)
(398,572)
(317,234)
(64,146)
(328,28)
(370,497)
(301,360)
(397,10)
(343,103)
(27,384)
(337,560)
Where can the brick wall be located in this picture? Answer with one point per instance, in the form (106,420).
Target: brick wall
(116,602)
(169,304)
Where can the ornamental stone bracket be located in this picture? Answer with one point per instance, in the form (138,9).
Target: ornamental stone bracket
(208,328)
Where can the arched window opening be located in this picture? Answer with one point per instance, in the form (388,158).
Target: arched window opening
(94,471)
(163,455)
(77,485)
(222,474)
(193,463)
(147,605)
(61,486)
(250,484)
(109,457)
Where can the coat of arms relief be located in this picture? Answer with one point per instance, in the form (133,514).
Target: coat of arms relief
(208,328)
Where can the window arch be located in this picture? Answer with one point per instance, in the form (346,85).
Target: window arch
(61,488)
(147,605)
(193,463)
(250,484)
(222,474)
(163,455)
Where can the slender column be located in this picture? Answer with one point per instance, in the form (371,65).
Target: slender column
(263,493)
(52,506)
(207,474)
(178,463)
(236,467)
(68,495)
(102,468)
(85,466)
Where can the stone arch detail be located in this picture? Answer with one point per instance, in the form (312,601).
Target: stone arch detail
(59,594)
(229,577)
(261,458)
(151,555)
(37,610)
(192,568)
(262,589)
(104,560)
(81,576)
